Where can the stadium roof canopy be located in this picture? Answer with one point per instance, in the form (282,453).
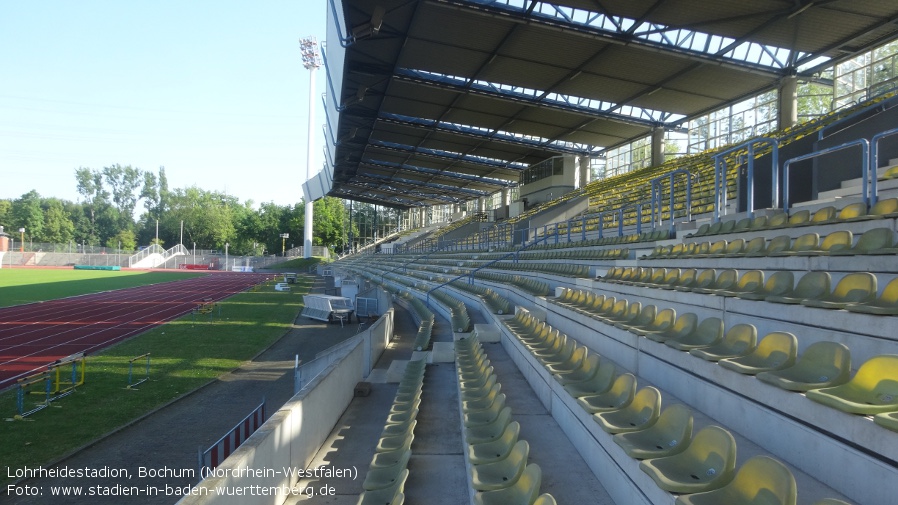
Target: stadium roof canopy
(443,101)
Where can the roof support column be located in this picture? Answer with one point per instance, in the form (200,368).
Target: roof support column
(658,145)
(788,102)
(584,174)
(504,197)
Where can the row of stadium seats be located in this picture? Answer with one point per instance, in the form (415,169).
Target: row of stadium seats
(701,467)
(856,292)
(497,458)
(824,366)
(838,243)
(385,481)
(853,212)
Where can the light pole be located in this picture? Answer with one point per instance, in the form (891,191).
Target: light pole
(311,60)
(226,256)
(22,231)
(284,237)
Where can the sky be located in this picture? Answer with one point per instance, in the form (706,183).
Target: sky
(214,91)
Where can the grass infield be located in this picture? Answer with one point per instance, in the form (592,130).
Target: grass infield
(185,355)
(28,285)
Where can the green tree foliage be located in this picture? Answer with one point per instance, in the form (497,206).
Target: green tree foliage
(26,213)
(58,226)
(330,216)
(94,195)
(104,215)
(5,206)
(123,183)
(124,240)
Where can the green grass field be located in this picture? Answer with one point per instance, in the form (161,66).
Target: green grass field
(27,285)
(185,355)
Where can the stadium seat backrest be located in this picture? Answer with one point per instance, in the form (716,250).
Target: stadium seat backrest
(799,218)
(779,243)
(887,207)
(837,240)
(806,242)
(852,211)
(856,287)
(875,239)
(705,278)
(812,285)
(823,215)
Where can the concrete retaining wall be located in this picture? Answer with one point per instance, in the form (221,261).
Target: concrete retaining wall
(263,470)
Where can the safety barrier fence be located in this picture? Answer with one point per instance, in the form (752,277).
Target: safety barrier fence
(217,452)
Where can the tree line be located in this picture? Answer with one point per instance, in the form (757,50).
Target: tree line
(106,215)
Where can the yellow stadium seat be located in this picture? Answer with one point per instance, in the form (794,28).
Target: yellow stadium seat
(739,340)
(777,350)
(708,332)
(669,435)
(488,452)
(708,463)
(872,390)
(618,396)
(523,492)
(640,414)
(391,495)
(810,285)
(503,473)
(822,364)
(761,479)
(858,287)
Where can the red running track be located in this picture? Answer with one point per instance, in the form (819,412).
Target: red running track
(35,335)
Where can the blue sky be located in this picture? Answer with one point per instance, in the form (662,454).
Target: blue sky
(214,91)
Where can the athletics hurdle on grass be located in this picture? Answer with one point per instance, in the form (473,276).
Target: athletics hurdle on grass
(217,452)
(22,389)
(133,385)
(64,388)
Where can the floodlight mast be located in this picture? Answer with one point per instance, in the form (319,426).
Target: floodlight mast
(311,60)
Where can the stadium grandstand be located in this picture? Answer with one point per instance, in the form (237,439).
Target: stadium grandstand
(654,242)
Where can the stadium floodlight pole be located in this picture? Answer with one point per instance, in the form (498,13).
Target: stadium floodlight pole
(22,231)
(311,60)
(284,237)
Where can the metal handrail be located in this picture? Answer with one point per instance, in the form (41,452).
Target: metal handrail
(865,167)
(470,275)
(874,162)
(882,104)
(657,191)
(720,175)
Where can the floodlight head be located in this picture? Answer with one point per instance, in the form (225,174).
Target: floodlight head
(311,57)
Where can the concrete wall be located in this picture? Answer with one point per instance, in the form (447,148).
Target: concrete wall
(292,436)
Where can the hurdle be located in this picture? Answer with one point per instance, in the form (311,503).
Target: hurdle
(21,388)
(205,307)
(133,385)
(64,388)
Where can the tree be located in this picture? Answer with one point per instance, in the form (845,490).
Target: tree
(26,213)
(96,198)
(58,227)
(124,240)
(5,206)
(329,221)
(124,182)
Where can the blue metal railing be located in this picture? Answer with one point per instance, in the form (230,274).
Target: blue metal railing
(874,162)
(720,170)
(864,144)
(657,190)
